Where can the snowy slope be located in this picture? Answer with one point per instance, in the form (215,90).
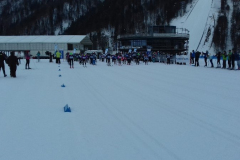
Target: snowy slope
(121,112)
(201,17)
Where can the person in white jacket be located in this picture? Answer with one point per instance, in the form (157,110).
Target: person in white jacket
(19,56)
(210,57)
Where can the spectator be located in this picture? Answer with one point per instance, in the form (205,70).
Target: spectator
(224,55)
(229,59)
(205,56)
(2,65)
(58,56)
(12,62)
(27,56)
(218,55)
(197,55)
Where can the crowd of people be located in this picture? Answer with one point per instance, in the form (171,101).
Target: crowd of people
(116,59)
(13,61)
(230,60)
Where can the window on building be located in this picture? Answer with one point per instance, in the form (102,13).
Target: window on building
(70,46)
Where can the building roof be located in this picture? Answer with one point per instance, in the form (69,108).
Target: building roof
(47,39)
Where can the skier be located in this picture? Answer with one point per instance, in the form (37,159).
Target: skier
(2,65)
(12,63)
(168,58)
(71,60)
(114,57)
(108,59)
(128,56)
(145,58)
(38,56)
(119,59)
(27,56)
(84,60)
(137,58)
(94,59)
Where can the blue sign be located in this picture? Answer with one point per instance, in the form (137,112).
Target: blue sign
(62,54)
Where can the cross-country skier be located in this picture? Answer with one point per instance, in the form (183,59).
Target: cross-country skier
(114,57)
(71,60)
(108,59)
(84,58)
(119,59)
(145,58)
(94,59)
(137,58)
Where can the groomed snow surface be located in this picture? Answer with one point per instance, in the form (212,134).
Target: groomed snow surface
(145,112)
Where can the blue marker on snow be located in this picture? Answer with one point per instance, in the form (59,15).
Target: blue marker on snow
(67,109)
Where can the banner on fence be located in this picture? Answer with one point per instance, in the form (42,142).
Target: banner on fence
(182,58)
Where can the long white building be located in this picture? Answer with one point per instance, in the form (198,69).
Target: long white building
(44,43)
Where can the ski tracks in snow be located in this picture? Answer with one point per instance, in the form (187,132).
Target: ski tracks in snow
(135,129)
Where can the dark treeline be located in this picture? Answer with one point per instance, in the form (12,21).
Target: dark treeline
(44,17)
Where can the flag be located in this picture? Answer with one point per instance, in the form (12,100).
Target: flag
(56,47)
(106,51)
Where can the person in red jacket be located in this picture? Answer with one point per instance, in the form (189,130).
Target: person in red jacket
(27,56)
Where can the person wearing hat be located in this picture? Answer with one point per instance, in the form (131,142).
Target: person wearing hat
(71,59)
(2,65)
(12,63)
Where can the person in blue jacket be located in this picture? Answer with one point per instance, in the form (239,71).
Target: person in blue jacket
(193,56)
(38,56)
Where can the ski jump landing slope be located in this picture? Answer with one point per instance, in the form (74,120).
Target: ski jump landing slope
(196,21)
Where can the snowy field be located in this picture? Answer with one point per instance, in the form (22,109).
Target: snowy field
(152,112)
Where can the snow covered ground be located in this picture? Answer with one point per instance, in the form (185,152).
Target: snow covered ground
(133,112)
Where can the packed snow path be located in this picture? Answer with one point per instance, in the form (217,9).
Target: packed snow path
(152,112)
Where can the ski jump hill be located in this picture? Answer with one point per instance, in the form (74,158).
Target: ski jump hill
(200,20)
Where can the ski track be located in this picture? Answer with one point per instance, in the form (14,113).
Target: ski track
(119,107)
(203,124)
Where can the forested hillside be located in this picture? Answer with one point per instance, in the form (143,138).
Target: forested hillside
(38,17)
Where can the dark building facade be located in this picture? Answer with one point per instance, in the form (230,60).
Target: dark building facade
(166,39)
